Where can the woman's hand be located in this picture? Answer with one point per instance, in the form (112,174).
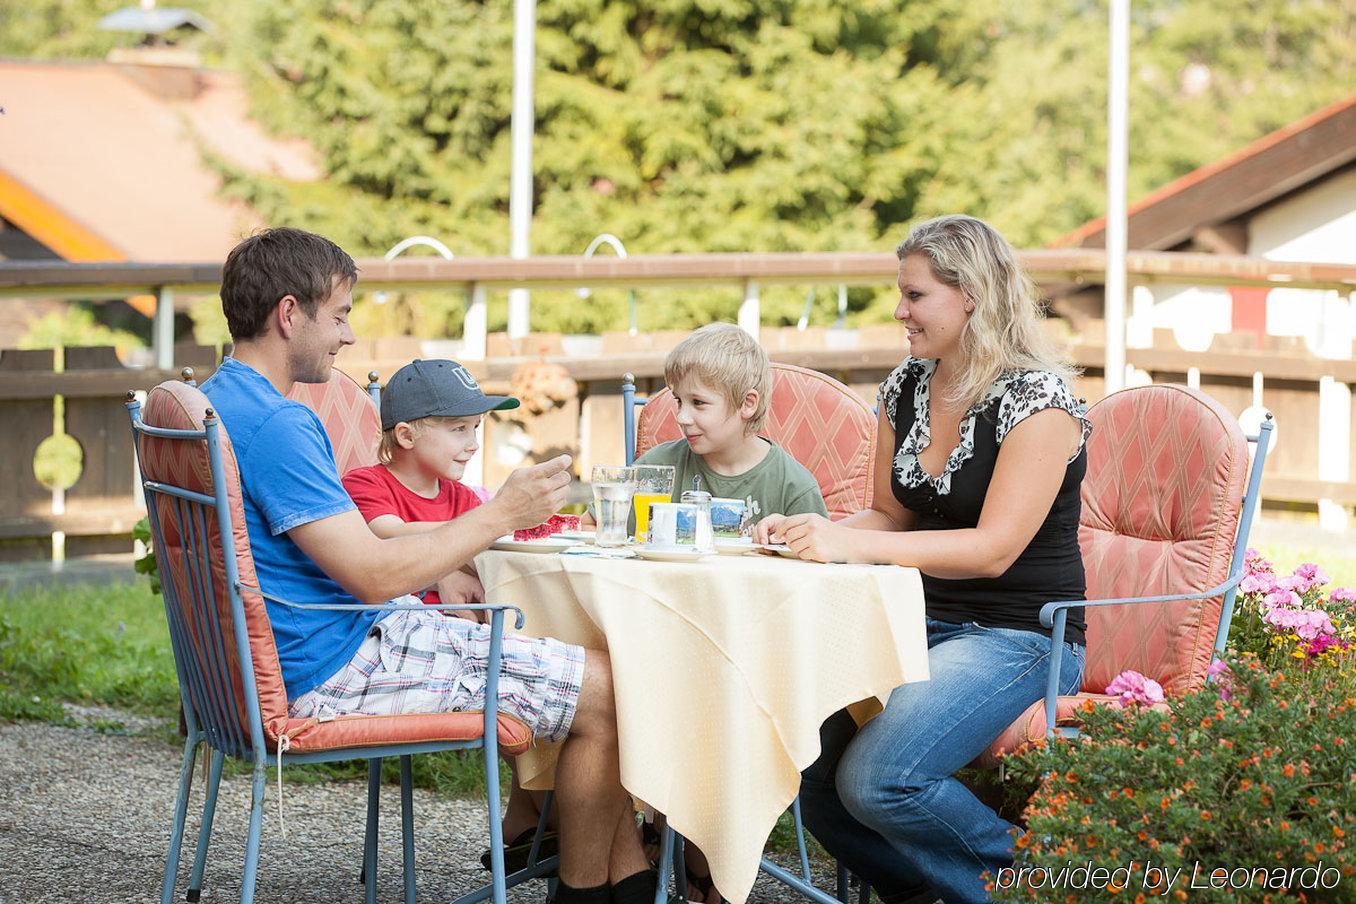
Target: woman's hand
(769,529)
(816,538)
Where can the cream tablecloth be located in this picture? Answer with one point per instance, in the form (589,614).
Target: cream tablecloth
(724,670)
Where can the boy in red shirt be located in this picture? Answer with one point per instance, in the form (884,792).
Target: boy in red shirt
(429,415)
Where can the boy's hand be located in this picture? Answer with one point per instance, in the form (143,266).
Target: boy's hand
(769,529)
(531,495)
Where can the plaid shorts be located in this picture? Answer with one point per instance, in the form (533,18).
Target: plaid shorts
(427,662)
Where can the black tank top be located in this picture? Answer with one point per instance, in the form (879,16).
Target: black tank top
(1051,566)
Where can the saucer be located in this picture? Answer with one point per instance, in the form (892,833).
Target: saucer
(553,543)
(668,554)
(729,546)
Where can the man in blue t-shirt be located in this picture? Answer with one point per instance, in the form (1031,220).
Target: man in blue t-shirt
(287,295)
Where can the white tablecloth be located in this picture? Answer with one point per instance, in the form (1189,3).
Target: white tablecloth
(724,670)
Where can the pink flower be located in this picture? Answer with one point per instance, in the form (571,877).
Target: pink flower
(1324,642)
(1307,624)
(1306,578)
(1281,599)
(1258,582)
(1343,595)
(1255,564)
(1132,687)
(1220,674)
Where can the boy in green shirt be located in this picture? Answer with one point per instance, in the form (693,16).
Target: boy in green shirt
(722,382)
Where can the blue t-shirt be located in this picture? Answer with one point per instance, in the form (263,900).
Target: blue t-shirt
(288,476)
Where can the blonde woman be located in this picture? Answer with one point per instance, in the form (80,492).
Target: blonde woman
(980,453)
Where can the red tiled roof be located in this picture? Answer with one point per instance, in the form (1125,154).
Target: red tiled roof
(101,165)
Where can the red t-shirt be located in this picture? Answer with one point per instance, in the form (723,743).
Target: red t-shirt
(376,491)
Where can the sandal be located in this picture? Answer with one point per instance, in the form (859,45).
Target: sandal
(516,851)
(650,837)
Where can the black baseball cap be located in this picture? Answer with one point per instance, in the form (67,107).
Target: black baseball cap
(435,388)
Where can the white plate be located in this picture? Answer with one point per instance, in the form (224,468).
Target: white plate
(780,549)
(577,536)
(732,547)
(668,555)
(553,543)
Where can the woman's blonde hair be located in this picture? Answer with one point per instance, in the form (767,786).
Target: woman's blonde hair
(728,359)
(1005,331)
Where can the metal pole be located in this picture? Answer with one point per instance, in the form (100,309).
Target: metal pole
(162,342)
(520,181)
(1116,164)
(750,309)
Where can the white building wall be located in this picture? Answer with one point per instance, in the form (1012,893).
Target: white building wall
(1319,225)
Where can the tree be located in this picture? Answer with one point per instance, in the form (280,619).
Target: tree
(743,125)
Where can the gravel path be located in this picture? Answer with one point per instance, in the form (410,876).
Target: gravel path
(85,815)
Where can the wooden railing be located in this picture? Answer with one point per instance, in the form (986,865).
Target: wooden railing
(94,514)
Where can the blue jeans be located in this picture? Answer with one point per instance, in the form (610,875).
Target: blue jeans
(883,799)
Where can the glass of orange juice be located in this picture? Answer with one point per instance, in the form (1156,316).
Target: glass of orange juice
(654,483)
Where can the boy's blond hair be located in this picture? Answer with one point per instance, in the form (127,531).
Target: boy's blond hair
(387,450)
(726,358)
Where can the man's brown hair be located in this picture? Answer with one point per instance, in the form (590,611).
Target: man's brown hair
(273,263)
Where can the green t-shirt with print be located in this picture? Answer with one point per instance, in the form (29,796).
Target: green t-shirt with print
(777,485)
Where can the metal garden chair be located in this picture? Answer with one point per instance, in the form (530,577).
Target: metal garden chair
(1168,503)
(230,685)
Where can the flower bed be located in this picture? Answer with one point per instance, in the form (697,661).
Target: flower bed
(1245,790)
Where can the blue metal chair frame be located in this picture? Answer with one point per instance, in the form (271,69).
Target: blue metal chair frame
(1056,615)
(210,701)
(630,402)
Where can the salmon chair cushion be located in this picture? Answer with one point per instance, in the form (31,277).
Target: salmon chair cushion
(186,464)
(351,420)
(820,422)
(1167,468)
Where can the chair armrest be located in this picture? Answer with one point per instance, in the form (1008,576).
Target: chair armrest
(1055,616)
(390,607)
(1049,609)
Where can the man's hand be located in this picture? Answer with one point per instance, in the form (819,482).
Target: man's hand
(460,587)
(531,495)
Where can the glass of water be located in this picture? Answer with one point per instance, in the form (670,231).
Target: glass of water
(613,489)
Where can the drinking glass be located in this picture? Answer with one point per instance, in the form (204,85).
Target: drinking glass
(654,483)
(612,491)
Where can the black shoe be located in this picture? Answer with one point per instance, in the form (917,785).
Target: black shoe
(516,851)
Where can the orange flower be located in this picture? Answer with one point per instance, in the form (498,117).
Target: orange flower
(1205,815)
(1288,771)
(1127,792)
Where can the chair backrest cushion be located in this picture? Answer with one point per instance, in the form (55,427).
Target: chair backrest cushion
(186,464)
(1167,467)
(351,420)
(821,423)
